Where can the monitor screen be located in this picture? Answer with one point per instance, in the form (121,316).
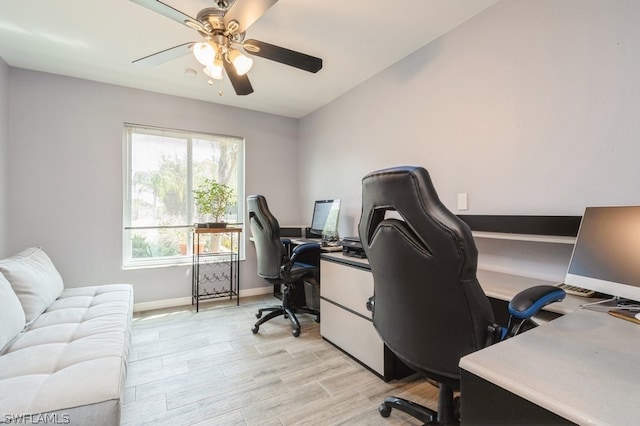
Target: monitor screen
(324,222)
(606,256)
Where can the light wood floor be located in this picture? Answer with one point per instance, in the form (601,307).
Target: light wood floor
(208,368)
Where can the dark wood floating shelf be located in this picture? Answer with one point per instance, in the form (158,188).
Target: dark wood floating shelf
(565,226)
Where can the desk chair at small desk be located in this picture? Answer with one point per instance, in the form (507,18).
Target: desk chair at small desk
(309,257)
(278,267)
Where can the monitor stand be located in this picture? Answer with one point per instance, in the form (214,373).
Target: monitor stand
(613,302)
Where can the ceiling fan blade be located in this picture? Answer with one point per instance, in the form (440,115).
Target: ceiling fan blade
(240,83)
(168,11)
(246,12)
(164,55)
(282,55)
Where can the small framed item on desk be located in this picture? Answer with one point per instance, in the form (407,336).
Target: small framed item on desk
(625,314)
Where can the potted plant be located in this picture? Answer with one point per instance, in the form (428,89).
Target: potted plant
(183,241)
(213,199)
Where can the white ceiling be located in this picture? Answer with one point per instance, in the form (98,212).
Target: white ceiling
(98,40)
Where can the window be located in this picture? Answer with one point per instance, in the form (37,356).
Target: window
(162,169)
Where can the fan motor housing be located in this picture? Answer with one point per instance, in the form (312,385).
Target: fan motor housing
(213,16)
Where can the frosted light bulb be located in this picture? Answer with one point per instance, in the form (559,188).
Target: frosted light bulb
(204,52)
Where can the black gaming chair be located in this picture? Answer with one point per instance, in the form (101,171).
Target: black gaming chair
(275,265)
(428,306)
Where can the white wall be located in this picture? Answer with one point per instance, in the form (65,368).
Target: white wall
(4,161)
(66,147)
(530,107)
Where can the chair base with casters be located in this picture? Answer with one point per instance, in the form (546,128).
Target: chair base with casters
(287,309)
(448,408)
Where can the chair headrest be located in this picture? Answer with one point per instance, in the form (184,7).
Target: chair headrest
(409,192)
(265,231)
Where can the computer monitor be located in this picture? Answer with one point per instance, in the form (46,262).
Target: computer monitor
(324,222)
(606,256)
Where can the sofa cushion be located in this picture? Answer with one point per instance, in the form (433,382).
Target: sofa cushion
(12,319)
(73,358)
(34,279)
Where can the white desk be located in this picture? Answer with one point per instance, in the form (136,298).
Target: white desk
(325,249)
(347,283)
(584,367)
(504,286)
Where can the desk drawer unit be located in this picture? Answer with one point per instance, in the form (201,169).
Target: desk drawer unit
(347,286)
(353,334)
(346,322)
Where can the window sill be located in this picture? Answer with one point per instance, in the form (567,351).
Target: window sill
(167,263)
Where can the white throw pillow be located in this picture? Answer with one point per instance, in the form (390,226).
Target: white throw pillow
(12,320)
(34,279)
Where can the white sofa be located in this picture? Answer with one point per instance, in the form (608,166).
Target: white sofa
(63,356)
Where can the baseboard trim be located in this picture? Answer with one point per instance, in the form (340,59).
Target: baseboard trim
(183,301)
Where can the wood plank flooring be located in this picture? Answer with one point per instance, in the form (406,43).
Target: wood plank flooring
(208,368)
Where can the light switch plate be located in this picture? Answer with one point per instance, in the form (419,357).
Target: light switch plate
(463,201)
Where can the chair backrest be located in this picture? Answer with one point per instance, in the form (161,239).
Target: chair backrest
(429,308)
(270,251)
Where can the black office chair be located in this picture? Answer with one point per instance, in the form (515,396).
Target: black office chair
(428,306)
(277,267)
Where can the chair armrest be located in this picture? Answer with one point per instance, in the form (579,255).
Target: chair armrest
(303,248)
(285,269)
(528,302)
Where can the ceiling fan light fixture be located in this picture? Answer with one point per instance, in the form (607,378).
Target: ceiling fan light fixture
(223,28)
(205,52)
(240,62)
(214,70)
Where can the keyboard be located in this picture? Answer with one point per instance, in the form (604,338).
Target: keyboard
(309,240)
(576,291)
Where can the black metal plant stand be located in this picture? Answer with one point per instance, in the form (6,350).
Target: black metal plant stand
(216,264)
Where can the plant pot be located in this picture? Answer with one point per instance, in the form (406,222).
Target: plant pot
(183,248)
(217,224)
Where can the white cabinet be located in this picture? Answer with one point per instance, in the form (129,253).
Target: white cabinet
(345,286)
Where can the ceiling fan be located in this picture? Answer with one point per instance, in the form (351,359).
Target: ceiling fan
(223,28)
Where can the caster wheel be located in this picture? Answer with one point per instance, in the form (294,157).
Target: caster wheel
(295,332)
(259,314)
(254,329)
(384,410)
(456,408)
